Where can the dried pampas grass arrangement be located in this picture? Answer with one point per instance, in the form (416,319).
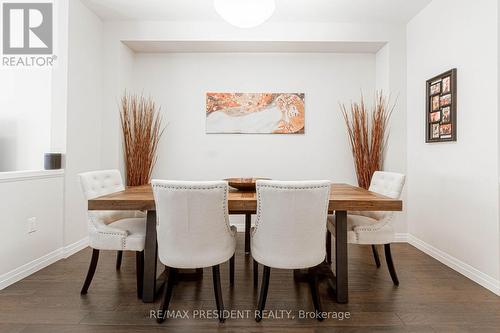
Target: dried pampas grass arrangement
(142,129)
(368,133)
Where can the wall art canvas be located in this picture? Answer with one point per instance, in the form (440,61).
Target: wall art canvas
(441,110)
(271,113)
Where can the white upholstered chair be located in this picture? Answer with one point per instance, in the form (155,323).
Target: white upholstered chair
(290,230)
(193,231)
(112,230)
(375,228)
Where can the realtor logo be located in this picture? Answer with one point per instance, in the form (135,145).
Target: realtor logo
(27,28)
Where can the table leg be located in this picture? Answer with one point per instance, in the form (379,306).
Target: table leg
(328,247)
(341,281)
(150,259)
(248,224)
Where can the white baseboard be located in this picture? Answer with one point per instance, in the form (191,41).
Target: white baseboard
(34,266)
(27,269)
(470,272)
(71,249)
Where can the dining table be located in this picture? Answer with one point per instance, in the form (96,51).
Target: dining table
(343,198)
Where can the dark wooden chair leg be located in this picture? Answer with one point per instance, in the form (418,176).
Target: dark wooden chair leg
(375,256)
(139,271)
(119,255)
(90,273)
(218,292)
(263,293)
(314,285)
(390,264)
(231,271)
(167,294)
(255,273)
(328,246)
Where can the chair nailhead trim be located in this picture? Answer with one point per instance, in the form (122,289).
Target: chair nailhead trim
(295,188)
(376,226)
(203,187)
(259,209)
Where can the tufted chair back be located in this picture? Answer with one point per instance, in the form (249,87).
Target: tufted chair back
(290,228)
(103,234)
(192,223)
(99,183)
(389,184)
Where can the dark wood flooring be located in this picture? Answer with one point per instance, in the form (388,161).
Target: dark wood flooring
(430,298)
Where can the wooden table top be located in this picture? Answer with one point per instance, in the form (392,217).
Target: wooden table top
(342,197)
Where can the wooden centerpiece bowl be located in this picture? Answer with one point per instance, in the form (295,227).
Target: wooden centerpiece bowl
(243,184)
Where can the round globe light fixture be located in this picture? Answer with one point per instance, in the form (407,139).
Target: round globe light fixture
(245,13)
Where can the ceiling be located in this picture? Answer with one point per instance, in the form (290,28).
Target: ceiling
(367,11)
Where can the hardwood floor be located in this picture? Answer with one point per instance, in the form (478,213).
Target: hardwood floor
(430,298)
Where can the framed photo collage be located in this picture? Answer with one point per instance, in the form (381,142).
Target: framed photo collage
(441,110)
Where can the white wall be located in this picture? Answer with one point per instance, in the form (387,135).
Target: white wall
(119,63)
(24,197)
(60,78)
(33,106)
(390,75)
(25,117)
(72,124)
(85,91)
(178,82)
(32,112)
(453,199)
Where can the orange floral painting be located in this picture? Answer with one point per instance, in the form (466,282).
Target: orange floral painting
(279,113)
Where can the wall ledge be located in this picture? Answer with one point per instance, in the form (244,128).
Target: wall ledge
(15,176)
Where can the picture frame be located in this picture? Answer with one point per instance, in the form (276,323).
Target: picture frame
(445,129)
(435,103)
(229,112)
(445,100)
(435,88)
(441,107)
(435,117)
(435,131)
(445,115)
(446,84)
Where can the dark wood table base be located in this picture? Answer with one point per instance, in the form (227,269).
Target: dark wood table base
(150,259)
(248,225)
(341,267)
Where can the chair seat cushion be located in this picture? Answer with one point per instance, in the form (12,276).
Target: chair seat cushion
(132,240)
(364,230)
(136,229)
